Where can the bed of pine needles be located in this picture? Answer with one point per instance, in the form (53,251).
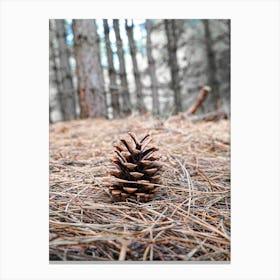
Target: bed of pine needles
(188,220)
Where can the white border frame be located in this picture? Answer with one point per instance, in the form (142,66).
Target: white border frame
(24,138)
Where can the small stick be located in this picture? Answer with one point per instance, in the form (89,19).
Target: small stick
(123,250)
(202,96)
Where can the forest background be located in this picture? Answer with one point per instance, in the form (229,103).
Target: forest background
(112,68)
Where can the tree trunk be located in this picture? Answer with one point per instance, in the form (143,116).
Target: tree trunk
(123,77)
(211,65)
(152,69)
(112,72)
(54,66)
(101,76)
(229,76)
(89,71)
(133,51)
(170,29)
(65,70)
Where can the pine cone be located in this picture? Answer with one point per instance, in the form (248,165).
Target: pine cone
(136,169)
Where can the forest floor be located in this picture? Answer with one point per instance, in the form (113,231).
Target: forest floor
(189,218)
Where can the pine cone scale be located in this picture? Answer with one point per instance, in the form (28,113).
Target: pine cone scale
(130,190)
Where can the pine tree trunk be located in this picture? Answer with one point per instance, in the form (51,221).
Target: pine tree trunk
(90,75)
(229,76)
(54,66)
(152,69)
(112,72)
(211,65)
(123,77)
(65,70)
(133,51)
(100,68)
(170,29)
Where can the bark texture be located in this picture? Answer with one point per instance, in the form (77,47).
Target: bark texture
(54,68)
(133,51)
(211,65)
(170,29)
(112,72)
(152,69)
(89,72)
(65,71)
(123,77)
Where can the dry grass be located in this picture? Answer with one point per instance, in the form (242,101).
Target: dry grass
(188,220)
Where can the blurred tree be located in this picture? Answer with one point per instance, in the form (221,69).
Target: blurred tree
(123,76)
(133,51)
(211,65)
(223,65)
(152,69)
(54,69)
(227,78)
(112,72)
(100,68)
(89,71)
(170,29)
(65,72)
